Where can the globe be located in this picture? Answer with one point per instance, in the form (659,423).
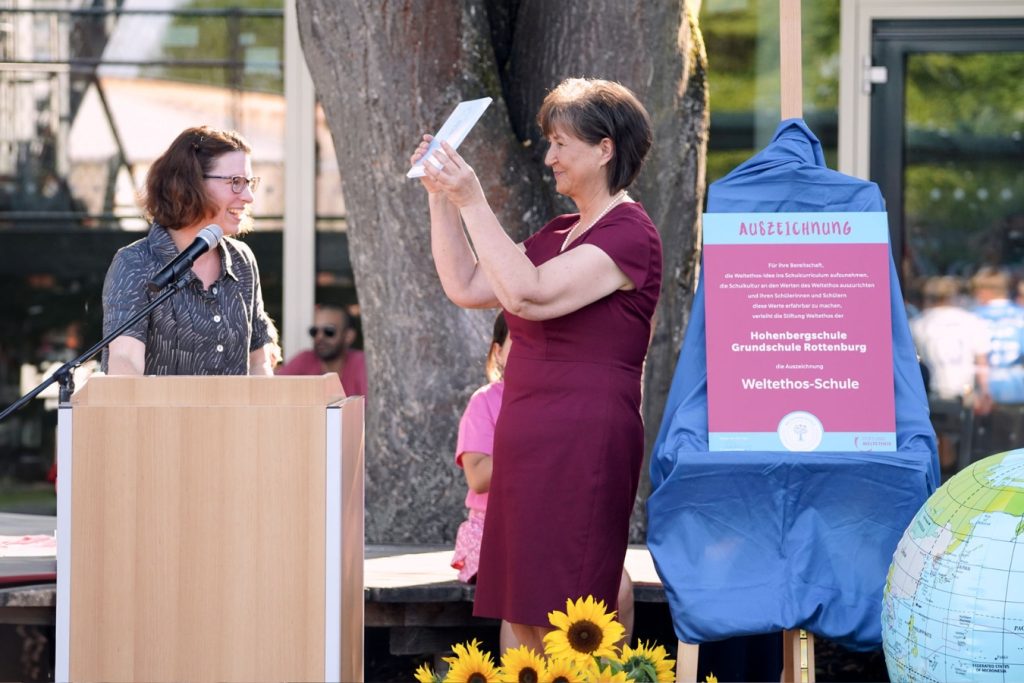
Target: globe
(953,605)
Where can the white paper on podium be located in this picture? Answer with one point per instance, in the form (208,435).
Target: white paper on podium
(454,130)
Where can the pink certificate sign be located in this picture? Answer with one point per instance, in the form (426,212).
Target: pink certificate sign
(799,332)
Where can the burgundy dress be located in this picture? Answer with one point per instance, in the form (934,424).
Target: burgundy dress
(569,441)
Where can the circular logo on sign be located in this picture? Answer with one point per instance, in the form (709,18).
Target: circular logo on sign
(800,431)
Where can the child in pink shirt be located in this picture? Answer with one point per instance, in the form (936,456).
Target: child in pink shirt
(473,452)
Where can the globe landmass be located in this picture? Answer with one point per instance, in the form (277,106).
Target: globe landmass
(953,605)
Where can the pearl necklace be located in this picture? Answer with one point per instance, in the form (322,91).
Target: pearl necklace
(615,200)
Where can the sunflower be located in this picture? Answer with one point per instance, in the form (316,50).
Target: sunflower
(425,675)
(602,671)
(647,663)
(583,630)
(563,670)
(470,665)
(522,665)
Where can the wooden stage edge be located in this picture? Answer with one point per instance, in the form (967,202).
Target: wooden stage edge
(401,584)
(410,573)
(413,594)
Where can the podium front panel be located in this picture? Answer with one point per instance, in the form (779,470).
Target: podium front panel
(197,536)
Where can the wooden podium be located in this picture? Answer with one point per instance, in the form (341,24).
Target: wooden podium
(210,529)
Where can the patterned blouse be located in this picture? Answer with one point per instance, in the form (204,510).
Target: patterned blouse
(196,331)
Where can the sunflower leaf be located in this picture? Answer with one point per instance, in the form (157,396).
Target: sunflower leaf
(642,672)
(612,663)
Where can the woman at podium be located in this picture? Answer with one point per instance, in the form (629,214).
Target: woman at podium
(202,186)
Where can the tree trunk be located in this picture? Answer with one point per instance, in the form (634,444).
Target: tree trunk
(387,72)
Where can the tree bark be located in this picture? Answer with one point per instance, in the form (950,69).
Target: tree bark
(386,73)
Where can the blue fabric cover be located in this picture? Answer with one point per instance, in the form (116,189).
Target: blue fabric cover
(754,542)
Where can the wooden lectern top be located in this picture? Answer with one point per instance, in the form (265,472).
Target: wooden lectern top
(195,391)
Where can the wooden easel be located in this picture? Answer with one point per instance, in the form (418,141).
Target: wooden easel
(797,658)
(791,75)
(797,645)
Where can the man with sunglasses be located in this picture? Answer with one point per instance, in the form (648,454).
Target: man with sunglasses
(332,335)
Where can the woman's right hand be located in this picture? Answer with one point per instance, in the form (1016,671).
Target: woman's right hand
(427,181)
(453,176)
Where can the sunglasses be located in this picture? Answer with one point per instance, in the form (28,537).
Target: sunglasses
(238,182)
(327,330)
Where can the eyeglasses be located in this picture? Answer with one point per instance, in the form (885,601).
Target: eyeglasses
(238,182)
(328,331)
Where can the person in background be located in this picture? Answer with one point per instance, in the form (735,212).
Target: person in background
(990,288)
(953,344)
(474,450)
(579,296)
(1003,428)
(473,454)
(1019,298)
(332,334)
(216,324)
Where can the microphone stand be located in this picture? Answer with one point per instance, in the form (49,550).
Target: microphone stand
(65,373)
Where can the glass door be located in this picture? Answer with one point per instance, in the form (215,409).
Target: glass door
(947,149)
(947,142)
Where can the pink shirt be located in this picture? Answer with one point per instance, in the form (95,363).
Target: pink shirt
(353,372)
(476,432)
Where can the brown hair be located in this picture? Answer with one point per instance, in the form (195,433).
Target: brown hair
(940,289)
(593,109)
(498,336)
(175,195)
(992,279)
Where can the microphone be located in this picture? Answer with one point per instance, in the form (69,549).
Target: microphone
(206,240)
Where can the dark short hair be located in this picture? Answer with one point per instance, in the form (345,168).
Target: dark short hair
(337,308)
(500,332)
(593,109)
(498,337)
(175,194)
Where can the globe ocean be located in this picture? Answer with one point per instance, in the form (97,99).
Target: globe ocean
(953,606)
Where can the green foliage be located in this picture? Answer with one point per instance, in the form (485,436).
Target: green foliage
(740,67)
(730,38)
(36,498)
(249,47)
(963,184)
(821,54)
(981,93)
(960,214)
(641,671)
(964,188)
(723,161)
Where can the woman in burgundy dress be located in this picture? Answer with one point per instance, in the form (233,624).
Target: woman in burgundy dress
(579,296)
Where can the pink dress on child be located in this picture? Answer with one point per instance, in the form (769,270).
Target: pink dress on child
(476,435)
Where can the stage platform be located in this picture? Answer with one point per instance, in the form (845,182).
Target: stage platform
(413,593)
(410,590)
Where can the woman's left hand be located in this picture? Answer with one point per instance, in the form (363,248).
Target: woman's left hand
(455,177)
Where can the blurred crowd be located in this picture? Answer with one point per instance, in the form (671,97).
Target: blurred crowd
(969,335)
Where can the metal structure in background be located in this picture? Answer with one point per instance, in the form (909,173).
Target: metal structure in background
(51,57)
(62,217)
